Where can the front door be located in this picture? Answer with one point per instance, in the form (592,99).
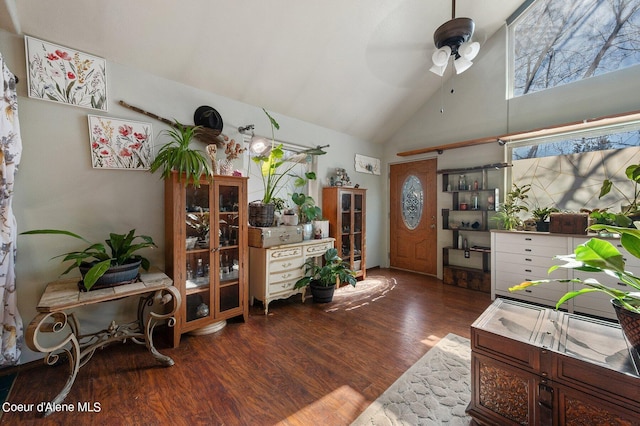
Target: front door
(413,231)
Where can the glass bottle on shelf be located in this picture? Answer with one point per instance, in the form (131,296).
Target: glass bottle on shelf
(189,271)
(462,183)
(200,269)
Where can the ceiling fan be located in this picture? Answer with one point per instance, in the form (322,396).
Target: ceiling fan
(453,39)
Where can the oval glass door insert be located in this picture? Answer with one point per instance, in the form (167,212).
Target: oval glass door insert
(412,198)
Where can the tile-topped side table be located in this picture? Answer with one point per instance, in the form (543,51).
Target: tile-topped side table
(154,289)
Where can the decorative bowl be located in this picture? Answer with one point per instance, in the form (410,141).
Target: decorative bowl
(191,242)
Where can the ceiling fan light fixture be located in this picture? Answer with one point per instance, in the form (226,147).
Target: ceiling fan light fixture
(462,64)
(438,69)
(469,50)
(441,56)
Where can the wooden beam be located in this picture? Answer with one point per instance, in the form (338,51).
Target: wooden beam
(586,124)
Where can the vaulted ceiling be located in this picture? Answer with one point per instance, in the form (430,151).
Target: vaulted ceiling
(360,67)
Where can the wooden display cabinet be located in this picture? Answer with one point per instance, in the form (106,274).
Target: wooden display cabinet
(206,243)
(345,208)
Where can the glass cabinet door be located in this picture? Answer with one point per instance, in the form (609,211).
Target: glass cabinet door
(227,249)
(345,203)
(198,259)
(358,234)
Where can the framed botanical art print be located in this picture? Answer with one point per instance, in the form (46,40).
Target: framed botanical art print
(120,144)
(364,164)
(60,74)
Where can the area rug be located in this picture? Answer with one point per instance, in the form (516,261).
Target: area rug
(434,391)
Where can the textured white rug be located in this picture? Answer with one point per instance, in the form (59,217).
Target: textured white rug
(434,391)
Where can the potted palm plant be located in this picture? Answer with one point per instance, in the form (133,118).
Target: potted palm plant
(176,155)
(100,268)
(322,278)
(600,256)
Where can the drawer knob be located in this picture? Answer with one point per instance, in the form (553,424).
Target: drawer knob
(527,270)
(527,239)
(527,250)
(528,260)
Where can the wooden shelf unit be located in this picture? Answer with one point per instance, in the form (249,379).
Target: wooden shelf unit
(219,290)
(346,210)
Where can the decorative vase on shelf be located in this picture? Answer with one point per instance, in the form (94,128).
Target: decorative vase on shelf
(226,167)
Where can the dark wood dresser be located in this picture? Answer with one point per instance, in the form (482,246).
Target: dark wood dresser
(532,365)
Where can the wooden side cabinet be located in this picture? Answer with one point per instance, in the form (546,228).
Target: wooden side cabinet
(345,208)
(538,366)
(206,246)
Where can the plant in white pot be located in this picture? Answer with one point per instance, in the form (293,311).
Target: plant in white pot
(322,277)
(100,268)
(601,257)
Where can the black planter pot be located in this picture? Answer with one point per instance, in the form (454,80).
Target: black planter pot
(115,276)
(321,294)
(542,226)
(261,214)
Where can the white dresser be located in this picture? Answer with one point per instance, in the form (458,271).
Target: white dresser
(274,271)
(525,256)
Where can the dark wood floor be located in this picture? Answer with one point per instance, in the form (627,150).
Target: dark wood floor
(303,364)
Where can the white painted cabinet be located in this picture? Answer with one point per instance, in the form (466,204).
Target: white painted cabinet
(274,271)
(520,256)
(524,256)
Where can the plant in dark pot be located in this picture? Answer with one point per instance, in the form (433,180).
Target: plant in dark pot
(275,170)
(100,268)
(541,216)
(600,256)
(322,277)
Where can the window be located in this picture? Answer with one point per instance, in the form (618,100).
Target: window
(554,42)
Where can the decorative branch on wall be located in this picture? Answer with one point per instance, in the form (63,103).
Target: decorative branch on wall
(366,164)
(205,134)
(120,144)
(60,74)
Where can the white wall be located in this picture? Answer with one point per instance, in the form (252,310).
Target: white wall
(478,108)
(57,188)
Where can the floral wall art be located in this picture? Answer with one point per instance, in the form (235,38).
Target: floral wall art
(120,144)
(364,164)
(59,74)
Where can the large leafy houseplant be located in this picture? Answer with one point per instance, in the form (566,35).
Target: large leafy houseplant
(515,203)
(308,211)
(273,166)
(121,252)
(333,270)
(633,174)
(176,155)
(600,256)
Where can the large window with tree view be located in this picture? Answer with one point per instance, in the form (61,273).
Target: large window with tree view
(555,42)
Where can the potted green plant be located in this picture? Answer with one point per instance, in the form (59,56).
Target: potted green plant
(100,268)
(507,214)
(176,155)
(600,256)
(633,174)
(541,216)
(322,278)
(274,169)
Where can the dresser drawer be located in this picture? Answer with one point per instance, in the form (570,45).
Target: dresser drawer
(318,249)
(553,245)
(505,260)
(285,286)
(292,274)
(286,264)
(630,261)
(552,291)
(284,253)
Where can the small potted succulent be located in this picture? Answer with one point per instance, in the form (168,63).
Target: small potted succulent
(322,278)
(100,268)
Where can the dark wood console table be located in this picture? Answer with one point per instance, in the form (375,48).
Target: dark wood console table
(537,366)
(60,297)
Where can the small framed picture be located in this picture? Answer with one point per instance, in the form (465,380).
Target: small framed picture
(120,144)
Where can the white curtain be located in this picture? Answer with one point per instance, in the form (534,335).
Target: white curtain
(10,150)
